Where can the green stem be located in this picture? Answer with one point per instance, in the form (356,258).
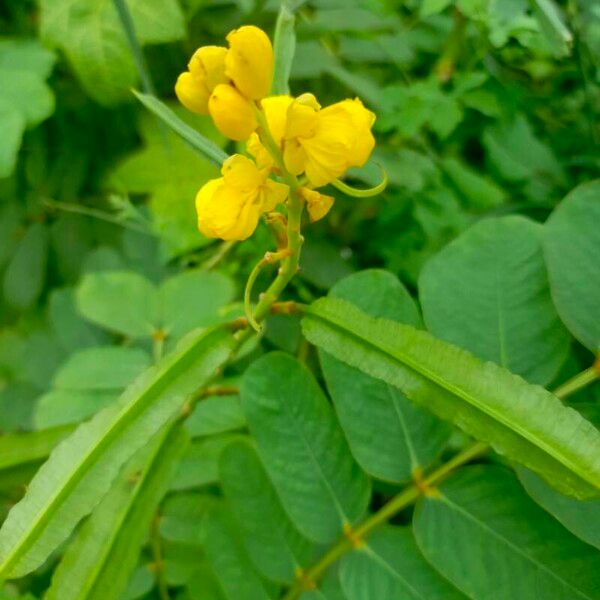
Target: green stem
(413,492)
(579,381)
(155,543)
(404,499)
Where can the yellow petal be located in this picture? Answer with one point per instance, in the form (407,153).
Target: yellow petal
(275,109)
(249,61)
(242,173)
(362,121)
(232,113)
(192,93)
(272,194)
(302,120)
(317,204)
(226,213)
(294,157)
(208,64)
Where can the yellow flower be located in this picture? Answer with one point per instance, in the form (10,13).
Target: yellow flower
(317,204)
(232,113)
(249,61)
(229,207)
(206,70)
(275,109)
(324,143)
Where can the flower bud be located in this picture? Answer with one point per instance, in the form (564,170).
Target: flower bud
(249,61)
(232,113)
(208,65)
(192,93)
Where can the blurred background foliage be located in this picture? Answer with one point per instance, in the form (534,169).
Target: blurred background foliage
(484,108)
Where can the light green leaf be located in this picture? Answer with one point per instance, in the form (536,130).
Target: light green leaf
(552,24)
(81,469)
(200,464)
(12,123)
(201,144)
(389,436)
(63,407)
(572,248)
(217,414)
(433,7)
(92,37)
(273,543)
(22,448)
(391,566)
(522,421)
(121,301)
(238,579)
(192,299)
(284,46)
(488,538)
(488,292)
(302,447)
(101,368)
(99,563)
(25,275)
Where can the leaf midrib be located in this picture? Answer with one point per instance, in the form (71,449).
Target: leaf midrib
(463,394)
(118,425)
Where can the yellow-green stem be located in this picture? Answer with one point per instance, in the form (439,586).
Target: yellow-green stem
(412,493)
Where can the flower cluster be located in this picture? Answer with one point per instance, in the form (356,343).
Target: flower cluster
(304,145)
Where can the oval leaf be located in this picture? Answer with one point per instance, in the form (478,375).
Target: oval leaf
(488,292)
(572,248)
(80,470)
(391,566)
(486,536)
(389,436)
(302,447)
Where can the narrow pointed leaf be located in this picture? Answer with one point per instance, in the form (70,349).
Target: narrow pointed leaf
(80,470)
(101,560)
(196,140)
(522,421)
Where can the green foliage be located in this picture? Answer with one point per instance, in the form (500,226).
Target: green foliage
(152,447)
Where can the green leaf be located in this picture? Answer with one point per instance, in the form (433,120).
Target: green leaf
(488,538)
(433,7)
(183,302)
(26,99)
(522,421)
(121,301)
(302,447)
(552,24)
(196,140)
(192,299)
(238,579)
(389,436)
(93,39)
(216,414)
(391,566)
(101,368)
(488,292)
(572,248)
(99,563)
(182,517)
(81,469)
(273,543)
(580,518)
(22,448)
(88,381)
(25,275)
(284,46)
(200,464)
